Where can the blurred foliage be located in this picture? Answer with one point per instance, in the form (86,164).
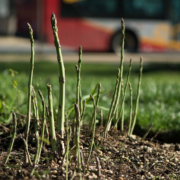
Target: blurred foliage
(159,99)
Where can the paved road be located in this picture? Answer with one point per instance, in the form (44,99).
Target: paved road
(18,49)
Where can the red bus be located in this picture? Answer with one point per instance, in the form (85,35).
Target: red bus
(151,25)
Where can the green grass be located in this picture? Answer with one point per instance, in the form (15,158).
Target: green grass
(159,99)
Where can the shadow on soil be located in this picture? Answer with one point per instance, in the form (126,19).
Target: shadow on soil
(164,137)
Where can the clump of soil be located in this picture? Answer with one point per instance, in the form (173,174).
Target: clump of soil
(120,157)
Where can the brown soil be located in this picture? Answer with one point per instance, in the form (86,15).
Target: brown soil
(120,157)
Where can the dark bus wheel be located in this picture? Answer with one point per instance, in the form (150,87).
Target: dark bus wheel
(130,45)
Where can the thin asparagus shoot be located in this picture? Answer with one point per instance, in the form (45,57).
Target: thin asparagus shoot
(123,98)
(82,160)
(94,118)
(43,123)
(77,136)
(84,108)
(51,119)
(26,149)
(101,118)
(145,135)
(47,116)
(138,94)
(36,122)
(95,107)
(130,112)
(122,111)
(61,107)
(13,137)
(121,74)
(78,87)
(29,89)
(98,167)
(67,146)
(108,121)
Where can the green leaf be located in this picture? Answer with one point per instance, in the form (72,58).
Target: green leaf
(44,140)
(100,107)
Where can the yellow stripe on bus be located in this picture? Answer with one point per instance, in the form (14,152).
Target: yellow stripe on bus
(71,1)
(171,45)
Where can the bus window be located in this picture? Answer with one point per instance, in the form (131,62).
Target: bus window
(144,9)
(91,8)
(174,11)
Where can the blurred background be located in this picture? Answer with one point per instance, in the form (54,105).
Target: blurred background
(151,25)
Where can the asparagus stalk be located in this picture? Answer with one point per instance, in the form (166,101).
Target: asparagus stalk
(122,47)
(101,118)
(47,131)
(38,153)
(36,122)
(67,147)
(94,119)
(122,111)
(43,123)
(82,160)
(123,98)
(108,121)
(29,89)
(121,74)
(95,107)
(130,112)
(26,149)
(83,110)
(78,88)
(13,137)
(98,167)
(138,94)
(149,129)
(61,80)
(51,119)
(77,135)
